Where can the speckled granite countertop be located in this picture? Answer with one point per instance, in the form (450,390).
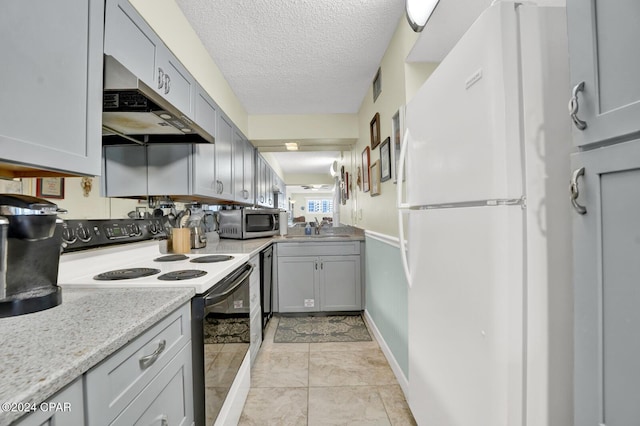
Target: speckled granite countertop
(44,351)
(229,246)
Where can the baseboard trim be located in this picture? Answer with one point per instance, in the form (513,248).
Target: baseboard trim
(395,367)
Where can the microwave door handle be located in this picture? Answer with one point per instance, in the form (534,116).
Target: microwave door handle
(214,297)
(276,219)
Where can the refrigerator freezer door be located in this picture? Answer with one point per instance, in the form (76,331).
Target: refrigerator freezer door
(464,122)
(466,358)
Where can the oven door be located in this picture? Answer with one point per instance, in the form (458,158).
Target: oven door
(221,337)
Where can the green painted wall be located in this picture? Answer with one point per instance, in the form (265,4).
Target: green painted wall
(386,297)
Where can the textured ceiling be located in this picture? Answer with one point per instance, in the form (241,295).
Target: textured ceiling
(296,56)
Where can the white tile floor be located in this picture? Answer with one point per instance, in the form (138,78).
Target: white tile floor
(323,384)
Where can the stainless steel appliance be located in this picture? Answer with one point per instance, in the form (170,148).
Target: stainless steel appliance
(218,317)
(29,255)
(242,224)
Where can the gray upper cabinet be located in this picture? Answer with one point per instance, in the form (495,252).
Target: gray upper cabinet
(224,159)
(605,64)
(205,111)
(51,104)
(130,40)
(169,169)
(125,171)
(243,168)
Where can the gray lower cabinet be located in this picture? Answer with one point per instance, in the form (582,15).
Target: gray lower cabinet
(51,104)
(605,63)
(148,381)
(318,277)
(64,408)
(607,294)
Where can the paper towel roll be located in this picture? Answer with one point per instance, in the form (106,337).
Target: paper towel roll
(284,219)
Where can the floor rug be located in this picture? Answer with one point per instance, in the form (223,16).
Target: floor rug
(321,329)
(226,330)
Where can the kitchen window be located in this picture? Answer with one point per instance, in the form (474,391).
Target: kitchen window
(324,205)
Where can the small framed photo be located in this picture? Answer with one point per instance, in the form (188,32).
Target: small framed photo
(365,169)
(375,178)
(50,187)
(374,127)
(385,160)
(377,85)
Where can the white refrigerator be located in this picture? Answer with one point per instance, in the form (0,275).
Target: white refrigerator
(486,216)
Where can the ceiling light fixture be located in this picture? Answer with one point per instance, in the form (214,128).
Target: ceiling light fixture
(419,12)
(291,146)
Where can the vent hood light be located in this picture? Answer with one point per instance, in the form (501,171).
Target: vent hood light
(291,146)
(419,12)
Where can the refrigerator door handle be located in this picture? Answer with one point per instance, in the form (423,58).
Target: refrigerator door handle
(402,207)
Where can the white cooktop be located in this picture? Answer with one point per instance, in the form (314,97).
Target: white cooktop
(78,269)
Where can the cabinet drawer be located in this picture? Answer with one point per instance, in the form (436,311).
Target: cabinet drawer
(167,400)
(114,383)
(69,403)
(319,249)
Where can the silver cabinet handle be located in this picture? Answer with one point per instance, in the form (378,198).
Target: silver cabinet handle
(147,361)
(245,194)
(160,78)
(167,84)
(573,107)
(575,191)
(220,186)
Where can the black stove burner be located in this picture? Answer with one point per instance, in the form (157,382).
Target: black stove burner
(170,258)
(185,274)
(211,258)
(126,274)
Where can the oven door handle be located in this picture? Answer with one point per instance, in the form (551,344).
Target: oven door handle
(216,297)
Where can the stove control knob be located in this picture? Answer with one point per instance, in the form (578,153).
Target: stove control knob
(153,229)
(68,236)
(84,234)
(135,230)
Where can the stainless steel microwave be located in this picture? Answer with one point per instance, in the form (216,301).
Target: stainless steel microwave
(242,224)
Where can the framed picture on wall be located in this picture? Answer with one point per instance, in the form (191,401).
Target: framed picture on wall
(397,132)
(374,128)
(50,187)
(385,160)
(365,169)
(375,178)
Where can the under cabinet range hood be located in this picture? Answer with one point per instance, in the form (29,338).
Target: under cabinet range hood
(134,111)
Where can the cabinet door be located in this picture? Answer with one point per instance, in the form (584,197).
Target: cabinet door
(238,167)
(169,169)
(204,166)
(605,57)
(224,158)
(205,111)
(68,409)
(249,172)
(340,286)
(167,400)
(298,284)
(260,183)
(178,86)
(129,39)
(125,171)
(51,105)
(607,294)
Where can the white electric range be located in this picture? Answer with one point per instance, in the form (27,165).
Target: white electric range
(99,251)
(100,255)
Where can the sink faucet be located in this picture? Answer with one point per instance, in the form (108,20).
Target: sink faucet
(318,226)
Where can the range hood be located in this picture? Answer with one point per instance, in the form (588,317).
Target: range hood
(134,111)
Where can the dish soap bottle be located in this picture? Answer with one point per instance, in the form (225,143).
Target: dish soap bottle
(307,229)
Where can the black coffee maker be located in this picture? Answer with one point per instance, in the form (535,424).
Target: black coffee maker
(30,239)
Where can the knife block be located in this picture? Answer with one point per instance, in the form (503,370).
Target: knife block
(181,240)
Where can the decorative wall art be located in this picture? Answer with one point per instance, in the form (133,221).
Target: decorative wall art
(385,160)
(374,128)
(377,85)
(375,178)
(365,169)
(51,187)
